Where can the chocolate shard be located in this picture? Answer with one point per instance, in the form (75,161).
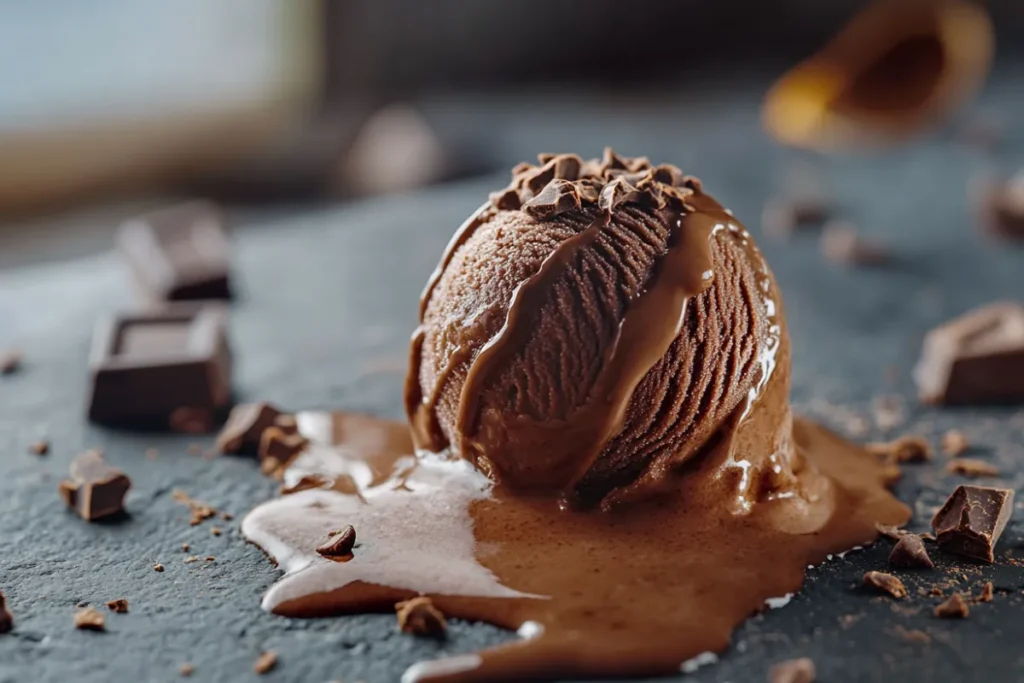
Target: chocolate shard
(95,490)
(506,200)
(618,191)
(420,617)
(567,167)
(954,607)
(339,545)
(886,583)
(800,670)
(977,358)
(972,519)
(245,426)
(165,368)
(909,553)
(179,253)
(559,196)
(6,618)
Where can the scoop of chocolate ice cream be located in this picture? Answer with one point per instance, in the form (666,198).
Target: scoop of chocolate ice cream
(593,325)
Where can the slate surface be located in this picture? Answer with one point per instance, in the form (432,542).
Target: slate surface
(329,299)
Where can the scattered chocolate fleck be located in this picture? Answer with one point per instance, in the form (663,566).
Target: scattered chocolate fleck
(952,607)
(987,593)
(10,361)
(215,530)
(245,426)
(89,619)
(906,449)
(912,635)
(969,467)
(954,443)
(190,559)
(339,544)
(891,532)
(999,205)
(185,670)
(120,606)
(95,489)
(842,243)
(6,618)
(227,516)
(200,511)
(265,662)
(41,447)
(185,547)
(158,567)
(209,558)
(972,519)
(420,617)
(909,553)
(191,421)
(793,671)
(887,583)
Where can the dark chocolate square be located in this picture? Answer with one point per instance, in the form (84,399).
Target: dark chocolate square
(179,253)
(147,366)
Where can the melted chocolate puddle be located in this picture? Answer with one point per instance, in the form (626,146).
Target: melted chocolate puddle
(638,592)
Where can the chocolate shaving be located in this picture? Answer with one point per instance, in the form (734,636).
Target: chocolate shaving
(89,619)
(420,617)
(971,521)
(6,618)
(245,427)
(969,467)
(265,663)
(95,490)
(119,606)
(800,670)
(906,449)
(886,583)
(909,552)
(339,544)
(952,607)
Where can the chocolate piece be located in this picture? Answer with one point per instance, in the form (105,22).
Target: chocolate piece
(265,662)
(190,559)
(41,447)
(10,361)
(909,553)
(279,447)
(887,583)
(902,450)
(1000,206)
(170,368)
(339,545)
(89,619)
(245,426)
(179,253)
(95,489)
(953,607)
(974,359)
(954,443)
(159,568)
(987,593)
(969,467)
(120,606)
(420,617)
(971,521)
(6,618)
(842,243)
(793,671)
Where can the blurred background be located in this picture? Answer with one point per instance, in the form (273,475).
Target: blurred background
(113,106)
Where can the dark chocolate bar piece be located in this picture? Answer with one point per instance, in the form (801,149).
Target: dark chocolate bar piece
(95,489)
(976,358)
(150,368)
(971,521)
(179,253)
(245,427)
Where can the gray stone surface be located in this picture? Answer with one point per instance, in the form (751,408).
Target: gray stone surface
(328,302)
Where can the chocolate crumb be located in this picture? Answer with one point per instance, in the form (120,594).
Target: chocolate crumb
(119,606)
(6,618)
(793,671)
(969,467)
(227,516)
(339,543)
(185,547)
(906,449)
(200,511)
(10,361)
(420,617)
(190,559)
(215,530)
(265,662)
(185,670)
(89,619)
(842,243)
(912,635)
(41,447)
(890,532)
(909,553)
(987,593)
(95,489)
(954,443)
(209,558)
(886,583)
(158,567)
(953,607)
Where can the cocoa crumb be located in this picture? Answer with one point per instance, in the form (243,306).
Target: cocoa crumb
(10,361)
(158,567)
(41,447)
(954,443)
(339,543)
(227,516)
(209,558)
(185,670)
(265,662)
(886,583)
(953,607)
(190,559)
(6,618)
(215,530)
(793,671)
(987,593)
(420,617)
(912,635)
(906,449)
(200,511)
(119,606)
(89,619)
(909,552)
(185,547)
(969,467)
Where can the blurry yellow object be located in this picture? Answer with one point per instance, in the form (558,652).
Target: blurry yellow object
(893,69)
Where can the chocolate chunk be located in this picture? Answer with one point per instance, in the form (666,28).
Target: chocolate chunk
(909,553)
(158,568)
(902,450)
(265,663)
(10,361)
(887,583)
(89,619)
(339,545)
(977,358)
(41,447)
(245,426)
(151,368)
(842,243)
(179,253)
(6,618)
(953,607)
(793,671)
(969,467)
(506,200)
(95,490)
(954,443)
(279,447)
(971,521)
(420,617)
(558,197)
(987,593)
(120,606)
